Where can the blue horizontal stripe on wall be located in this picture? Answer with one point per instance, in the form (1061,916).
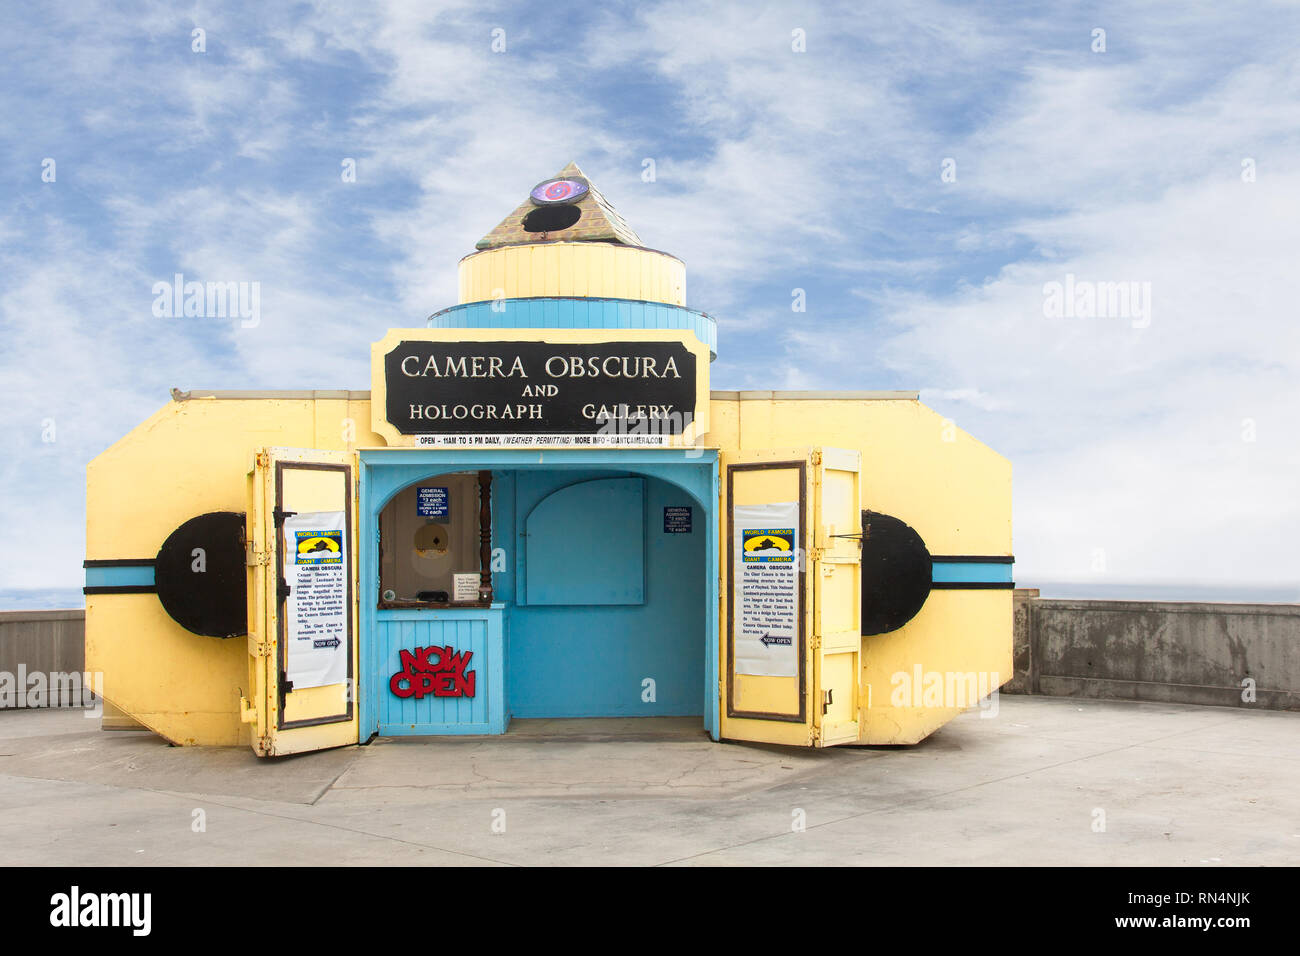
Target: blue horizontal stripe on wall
(970,572)
(577,313)
(139,575)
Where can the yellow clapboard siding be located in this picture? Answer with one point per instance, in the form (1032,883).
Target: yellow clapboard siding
(588,269)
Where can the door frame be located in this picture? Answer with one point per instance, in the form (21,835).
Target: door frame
(799,465)
(385,471)
(281,651)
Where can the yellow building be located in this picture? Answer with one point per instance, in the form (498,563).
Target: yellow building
(542,509)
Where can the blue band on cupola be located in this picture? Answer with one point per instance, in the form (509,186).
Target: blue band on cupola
(572,312)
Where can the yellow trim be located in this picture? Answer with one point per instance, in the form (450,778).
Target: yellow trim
(589,269)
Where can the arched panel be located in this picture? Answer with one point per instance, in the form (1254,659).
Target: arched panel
(585,544)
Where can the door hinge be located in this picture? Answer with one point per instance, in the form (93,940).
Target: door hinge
(816,457)
(263,459)
(285,688)
(814,641)
(260,647)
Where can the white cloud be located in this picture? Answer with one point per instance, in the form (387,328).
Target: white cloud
(1133,439)
(775,169)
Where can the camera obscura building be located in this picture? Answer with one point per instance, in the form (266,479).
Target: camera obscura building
(541,509)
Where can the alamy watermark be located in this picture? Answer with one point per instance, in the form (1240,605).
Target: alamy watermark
(52,689)
(942,689)
(76,908)
(208,300)
(1083,299)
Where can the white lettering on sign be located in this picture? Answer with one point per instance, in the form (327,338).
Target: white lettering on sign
(465,366)
(568,441)
(557,366)
(604,412)
(433,413)
(445,388)
(611,366)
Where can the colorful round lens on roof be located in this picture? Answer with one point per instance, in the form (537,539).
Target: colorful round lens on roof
(558,191)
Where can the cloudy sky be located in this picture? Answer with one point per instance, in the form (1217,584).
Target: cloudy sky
(925,172)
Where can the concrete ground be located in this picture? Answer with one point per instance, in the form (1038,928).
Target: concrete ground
(1047,781)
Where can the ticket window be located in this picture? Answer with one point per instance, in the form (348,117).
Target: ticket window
(428,536)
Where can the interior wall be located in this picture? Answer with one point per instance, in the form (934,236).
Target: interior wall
(407,569)
(573,661)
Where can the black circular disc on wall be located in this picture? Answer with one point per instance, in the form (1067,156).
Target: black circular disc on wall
(200,576)
(896,573)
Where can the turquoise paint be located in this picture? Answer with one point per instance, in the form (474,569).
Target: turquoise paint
(577,313)
(600,523)
(139,575)
(480,631)
(685,477)
(593,661)
(970,572)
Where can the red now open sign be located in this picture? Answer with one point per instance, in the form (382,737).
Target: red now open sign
(440,671)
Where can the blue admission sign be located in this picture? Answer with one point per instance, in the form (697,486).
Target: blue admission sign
(677,519)
(431,502)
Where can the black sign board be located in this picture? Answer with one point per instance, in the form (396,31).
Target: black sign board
(677,519)
(540,388)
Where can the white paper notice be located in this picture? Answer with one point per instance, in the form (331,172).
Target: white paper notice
(765,606)
(464,587)
(316,610)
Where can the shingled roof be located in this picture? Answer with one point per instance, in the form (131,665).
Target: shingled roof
(597,221)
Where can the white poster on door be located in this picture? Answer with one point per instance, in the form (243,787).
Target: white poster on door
(316,610)
(765,605)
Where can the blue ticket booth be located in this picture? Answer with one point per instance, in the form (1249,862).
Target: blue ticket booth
(603,579)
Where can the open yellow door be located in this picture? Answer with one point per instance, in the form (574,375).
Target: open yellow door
(302,594)
(836,645)
(791,596)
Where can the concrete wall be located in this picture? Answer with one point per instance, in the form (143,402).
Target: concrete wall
(1157,651)
(1131,650)
(46,642)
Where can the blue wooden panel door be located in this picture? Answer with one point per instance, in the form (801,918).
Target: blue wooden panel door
(585,544)
(441,671)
